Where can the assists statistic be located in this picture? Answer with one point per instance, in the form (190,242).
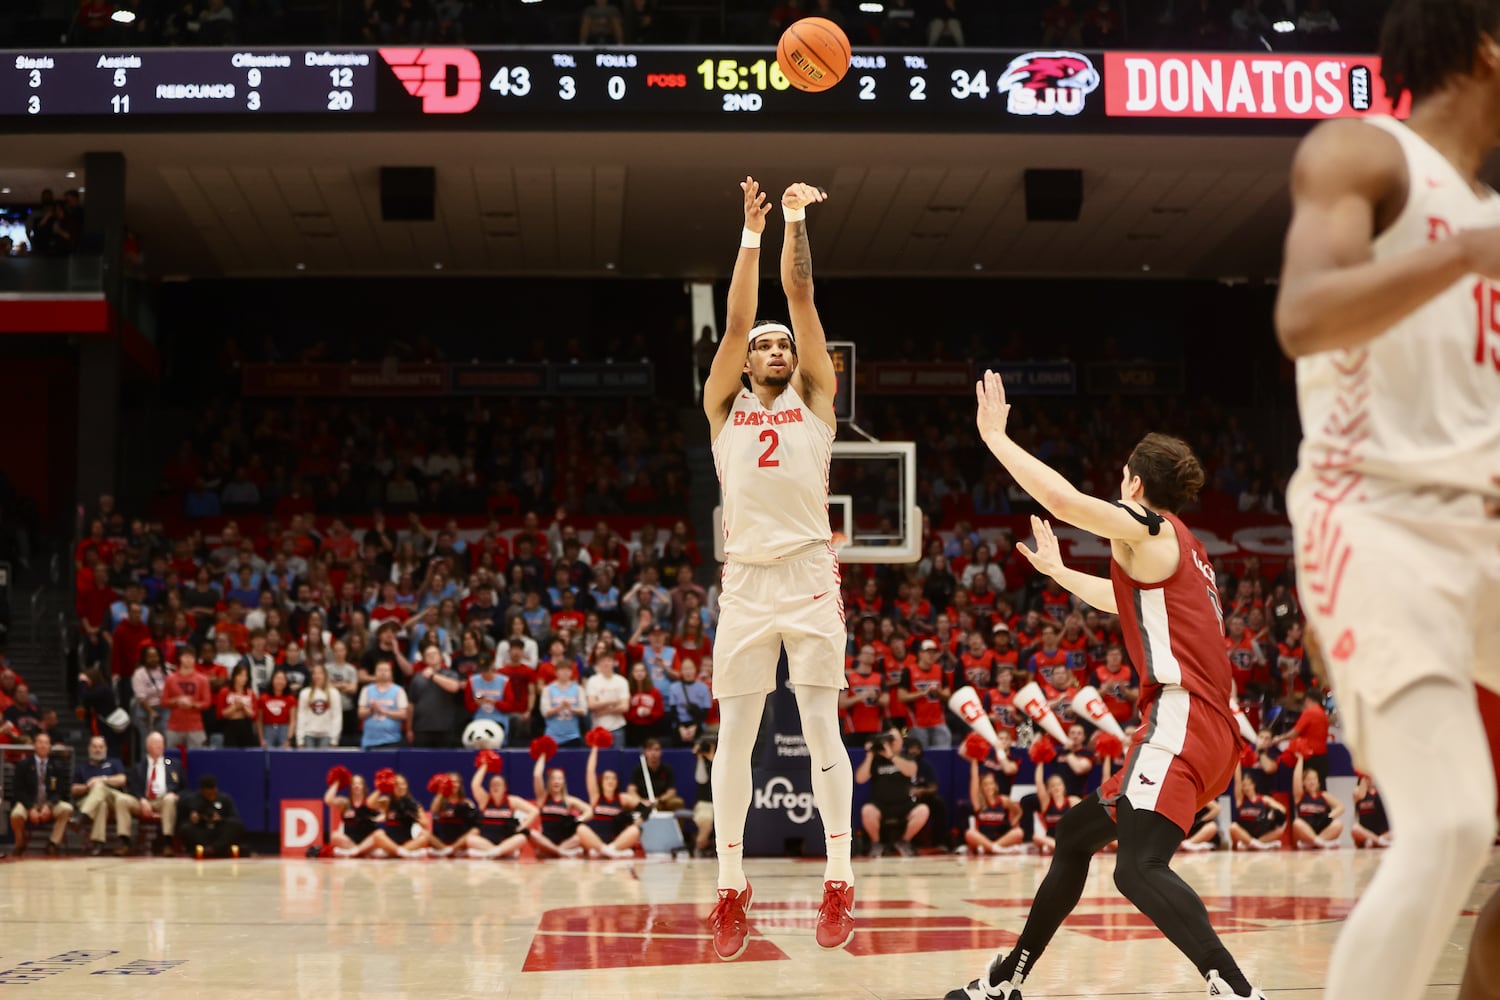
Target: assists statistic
(190,81)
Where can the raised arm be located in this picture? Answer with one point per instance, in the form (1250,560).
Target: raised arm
(591,774)
(744,295)
(477,789)
(814,366)
(1297,781)
(1349,178)
(1046,485)
(974,798)
(539,779)
(1095,591)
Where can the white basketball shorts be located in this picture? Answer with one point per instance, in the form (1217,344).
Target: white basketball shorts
(1401,584)
(797,603)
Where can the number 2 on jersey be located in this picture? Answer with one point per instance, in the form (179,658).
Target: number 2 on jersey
(767,461)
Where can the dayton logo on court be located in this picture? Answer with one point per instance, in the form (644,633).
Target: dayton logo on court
(424,73)
(1048,83)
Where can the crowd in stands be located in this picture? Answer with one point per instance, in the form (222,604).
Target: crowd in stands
(1337,25)
(476,458)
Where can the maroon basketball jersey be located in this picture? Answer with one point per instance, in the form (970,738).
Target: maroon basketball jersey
(1173,629)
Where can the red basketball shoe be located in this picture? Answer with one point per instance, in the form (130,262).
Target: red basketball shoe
(836,915)
(731,925)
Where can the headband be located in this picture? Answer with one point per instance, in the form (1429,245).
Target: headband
(764,328)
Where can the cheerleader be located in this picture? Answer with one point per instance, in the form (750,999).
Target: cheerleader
(1259,820)
(1317,823)
(360,819)
(453,816)
(1055,802)
(612,830)
(561,814)
(1204,836)
(401,814)
(503,818)
(1371,828)
(995,827)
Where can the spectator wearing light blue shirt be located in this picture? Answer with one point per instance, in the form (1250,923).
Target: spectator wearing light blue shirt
(563,707)
(384,709)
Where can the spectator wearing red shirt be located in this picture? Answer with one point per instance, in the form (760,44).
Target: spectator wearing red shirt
(276,712)
(343,545)
(388,609)
(1002,644)
(911,607)
(1055,602)
(95,548)
(927,698)
(978,663)
(186,696)
(1050,654)
(897,670)
(643,720)
(567,616)
(1029,634)
(519,698)
(868,602)
(1246,659)
(862,703)
(1117,683)
(1060,687)
(128,638)
(1000,702)
(1289,656)
(1312,726)
(237,706)
(946,636)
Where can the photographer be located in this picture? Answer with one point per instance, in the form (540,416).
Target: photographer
(703,806)
(213,824)
(890,776)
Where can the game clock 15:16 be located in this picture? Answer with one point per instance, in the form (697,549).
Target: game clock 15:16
(731,74)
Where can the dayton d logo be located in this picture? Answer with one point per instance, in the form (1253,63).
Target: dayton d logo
(1048,83)
(424,72)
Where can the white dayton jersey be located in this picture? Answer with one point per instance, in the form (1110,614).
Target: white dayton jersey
(1419,404)
(773,471)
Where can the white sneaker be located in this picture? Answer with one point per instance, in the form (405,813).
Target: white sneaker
(1218,988)
(411,853)
(980,989)
(571,852)
(1188,845)
(1266,845)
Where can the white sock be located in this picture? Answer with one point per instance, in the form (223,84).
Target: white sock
(832,775)
(344,852)
(739,724)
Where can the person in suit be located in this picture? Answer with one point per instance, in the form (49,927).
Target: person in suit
(155,784)
(42,788)
(213,824)
(100,782)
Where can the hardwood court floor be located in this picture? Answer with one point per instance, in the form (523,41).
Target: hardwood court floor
(267,928)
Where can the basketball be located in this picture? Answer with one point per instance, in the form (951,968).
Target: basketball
(484,734)
(813,53)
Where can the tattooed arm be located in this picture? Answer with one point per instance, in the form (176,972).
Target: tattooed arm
(815,376)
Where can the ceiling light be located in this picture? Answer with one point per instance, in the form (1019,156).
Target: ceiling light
(300,266)
(609,265)
(71,174)
(4,190)
(1145,267)
(437,265)
(81,189)
(1283,27)
(872,8)
(123,17)
(978,266)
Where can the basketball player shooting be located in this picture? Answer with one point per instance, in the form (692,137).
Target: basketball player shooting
(770,415)
(1161,585)
(1390,303)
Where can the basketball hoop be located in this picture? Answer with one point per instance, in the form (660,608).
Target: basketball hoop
(840,541)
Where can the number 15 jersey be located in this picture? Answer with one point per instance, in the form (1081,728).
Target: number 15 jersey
(773,473)
(1419,403)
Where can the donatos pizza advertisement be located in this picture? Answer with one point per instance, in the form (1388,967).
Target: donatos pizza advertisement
(1225,85)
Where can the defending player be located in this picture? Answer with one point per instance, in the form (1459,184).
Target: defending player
(1389,301)
(770,415)
(1162,586)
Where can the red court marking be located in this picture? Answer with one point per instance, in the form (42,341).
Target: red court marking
(920,942)
(667,918)
(570,952)
(859,904)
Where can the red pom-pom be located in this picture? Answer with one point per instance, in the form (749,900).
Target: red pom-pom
(339,775)
(1249,756)
(488,760)
(974,747)
(385,781)
(1299,747)
(599,737)
(1043,750)
(1108,745)
(543,746)
(439,784)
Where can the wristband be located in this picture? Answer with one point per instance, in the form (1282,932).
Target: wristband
(749,240)
(794,214)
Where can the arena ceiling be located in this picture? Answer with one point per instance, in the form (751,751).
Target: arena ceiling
(667,205)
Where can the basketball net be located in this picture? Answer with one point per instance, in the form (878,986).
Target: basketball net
(840,541)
